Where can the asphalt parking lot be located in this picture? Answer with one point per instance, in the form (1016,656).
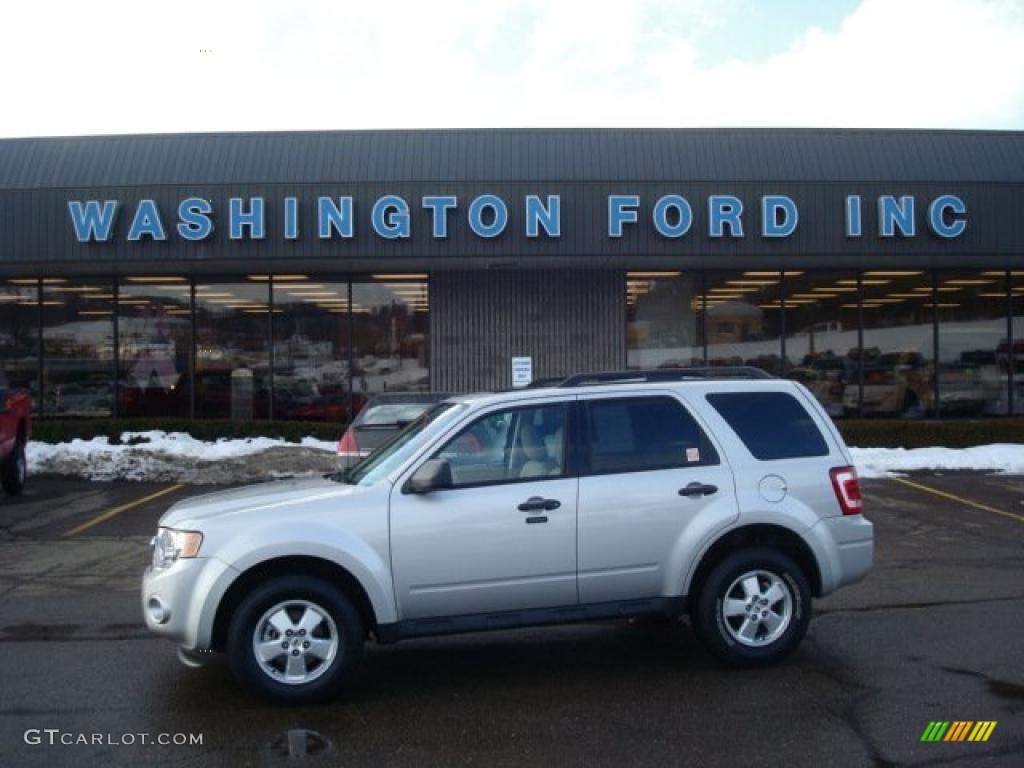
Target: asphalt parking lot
(935,633)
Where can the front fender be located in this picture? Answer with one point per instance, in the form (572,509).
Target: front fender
(275,540)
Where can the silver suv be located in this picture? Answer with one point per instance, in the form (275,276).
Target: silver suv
(732,501)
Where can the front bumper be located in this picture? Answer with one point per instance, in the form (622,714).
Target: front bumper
(846,550)
(180,602)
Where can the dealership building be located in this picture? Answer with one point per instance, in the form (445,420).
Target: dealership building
(291,275)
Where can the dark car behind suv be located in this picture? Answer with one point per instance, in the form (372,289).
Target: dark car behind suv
(380,420)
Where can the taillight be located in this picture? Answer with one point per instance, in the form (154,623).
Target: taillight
(846,484)
(348,447)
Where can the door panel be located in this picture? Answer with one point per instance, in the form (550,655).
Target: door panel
(630,524)
(640,455)
(471,550)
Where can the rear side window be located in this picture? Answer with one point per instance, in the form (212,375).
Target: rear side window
(644,433)
(773,425)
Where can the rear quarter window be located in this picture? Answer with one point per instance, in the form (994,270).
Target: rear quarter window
(773,425)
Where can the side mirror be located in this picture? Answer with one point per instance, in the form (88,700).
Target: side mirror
(433,475)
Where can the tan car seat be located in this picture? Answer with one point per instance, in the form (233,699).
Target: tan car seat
(538,462)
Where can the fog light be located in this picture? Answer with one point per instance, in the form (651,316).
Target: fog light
(157,612)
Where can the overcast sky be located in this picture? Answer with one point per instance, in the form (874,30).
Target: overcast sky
(214,65)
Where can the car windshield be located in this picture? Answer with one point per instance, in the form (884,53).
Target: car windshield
(393,453)
(391,414)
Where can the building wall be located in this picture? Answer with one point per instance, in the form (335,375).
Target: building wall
(566,320)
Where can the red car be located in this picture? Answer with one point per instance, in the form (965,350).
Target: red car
(15,430)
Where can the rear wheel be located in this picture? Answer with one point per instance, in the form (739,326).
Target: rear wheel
(295,640)
(753,608)
(14,471)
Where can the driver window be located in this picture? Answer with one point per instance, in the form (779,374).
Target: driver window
(508,445)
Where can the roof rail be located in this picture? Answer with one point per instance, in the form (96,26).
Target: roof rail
(664,374)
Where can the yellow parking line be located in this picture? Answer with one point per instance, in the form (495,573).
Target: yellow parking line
(124,507)
(960,499)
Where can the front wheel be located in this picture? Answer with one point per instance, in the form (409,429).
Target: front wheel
(295,640)
(14,471)
(754,608)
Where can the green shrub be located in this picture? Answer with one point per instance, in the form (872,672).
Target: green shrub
(923,433)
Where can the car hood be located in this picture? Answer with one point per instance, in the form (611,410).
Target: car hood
(278,495)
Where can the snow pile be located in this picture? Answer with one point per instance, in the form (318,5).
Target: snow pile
(883,462)
(158,456)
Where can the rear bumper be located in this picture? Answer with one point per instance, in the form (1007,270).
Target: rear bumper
(846,550)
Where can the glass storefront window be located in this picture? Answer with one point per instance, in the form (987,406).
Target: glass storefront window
(334,343)
(390,335)
(78,347)
(663,326)
(311,332)
(232,349)
(971,309)
(899,341)
(822,349)
(154,317)
(743,319)
(19,336)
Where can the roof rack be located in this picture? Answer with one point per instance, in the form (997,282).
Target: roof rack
(549,381)
(664,374)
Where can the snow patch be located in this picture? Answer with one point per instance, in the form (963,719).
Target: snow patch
(1007,458)
(158,456)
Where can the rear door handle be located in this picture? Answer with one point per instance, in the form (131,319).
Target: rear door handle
(539,504)
(698,489)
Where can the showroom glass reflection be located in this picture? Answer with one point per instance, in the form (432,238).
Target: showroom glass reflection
(332,343)
(896,343)
(893,343)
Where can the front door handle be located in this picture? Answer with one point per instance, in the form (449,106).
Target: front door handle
(539,504)
(698,489)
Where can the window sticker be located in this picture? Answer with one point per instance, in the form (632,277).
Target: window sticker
(692,454)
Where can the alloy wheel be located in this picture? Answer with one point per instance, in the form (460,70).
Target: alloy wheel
(757,608)
(295,642)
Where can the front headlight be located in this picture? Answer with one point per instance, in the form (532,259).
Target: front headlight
(170,544)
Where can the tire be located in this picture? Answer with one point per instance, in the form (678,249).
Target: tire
(328,620)
(14,471)
(780,624)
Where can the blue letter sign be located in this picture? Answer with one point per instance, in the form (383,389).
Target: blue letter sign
(538,215)
(440,205)
(92,222)
(147,222)
(194,218)
(391,217)
(683,216)
(499,216)
(725,210)
(238,218)
(621,210)
(771,207)
(937,216)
